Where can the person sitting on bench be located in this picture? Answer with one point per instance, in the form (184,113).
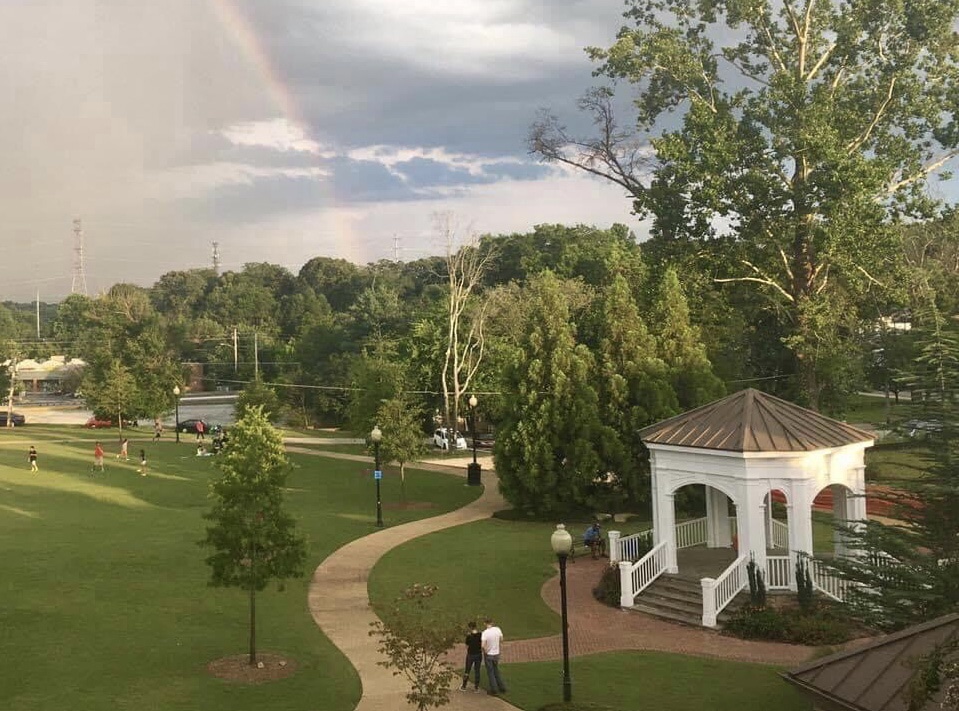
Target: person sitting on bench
(593,539)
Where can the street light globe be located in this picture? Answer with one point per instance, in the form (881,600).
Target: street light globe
(377,434)
(473,401)
(176,390)
(561,541)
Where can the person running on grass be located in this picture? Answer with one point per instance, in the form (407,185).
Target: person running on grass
(97,457)
(124,450)
(143,463)
(32,456)
(157,429)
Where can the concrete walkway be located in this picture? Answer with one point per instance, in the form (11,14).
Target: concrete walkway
(339,603)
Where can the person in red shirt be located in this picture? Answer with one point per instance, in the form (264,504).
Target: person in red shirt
(200,429)
(98,457)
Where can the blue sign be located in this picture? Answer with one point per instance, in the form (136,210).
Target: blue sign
(377,474)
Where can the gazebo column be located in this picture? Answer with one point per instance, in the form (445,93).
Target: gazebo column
(840,517)
(800,527)
(751,524)
(718,534)
(664,527)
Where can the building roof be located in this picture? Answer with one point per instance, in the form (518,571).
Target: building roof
(873,677)
(753,421)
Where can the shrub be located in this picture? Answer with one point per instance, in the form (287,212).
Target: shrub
(820,624)
(757,585)
(804,586)
(607,591)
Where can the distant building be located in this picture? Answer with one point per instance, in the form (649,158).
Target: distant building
(46,376)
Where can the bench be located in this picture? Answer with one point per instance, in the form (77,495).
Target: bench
(581,548)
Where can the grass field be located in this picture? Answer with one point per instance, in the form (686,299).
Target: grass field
(105,603)
(625,681)
(481,568)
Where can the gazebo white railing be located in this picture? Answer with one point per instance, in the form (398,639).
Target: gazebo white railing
(636,577)
(779,572)
(780,534)
(719,592)
(690,533)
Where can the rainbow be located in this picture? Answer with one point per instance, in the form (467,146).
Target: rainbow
(245,39)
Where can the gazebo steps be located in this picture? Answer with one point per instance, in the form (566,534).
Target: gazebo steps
(679,599)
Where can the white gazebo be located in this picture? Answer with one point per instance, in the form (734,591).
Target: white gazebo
(744,448)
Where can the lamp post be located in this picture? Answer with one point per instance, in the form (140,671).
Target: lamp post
(474,471)
(562,543)
(176,395)
(376,435)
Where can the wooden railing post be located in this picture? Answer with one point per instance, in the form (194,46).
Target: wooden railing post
(614,556)
(626,594)
(709,601)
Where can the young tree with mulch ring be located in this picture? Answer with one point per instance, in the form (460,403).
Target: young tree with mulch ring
(253,537)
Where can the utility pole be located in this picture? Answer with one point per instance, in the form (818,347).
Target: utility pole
(216,258)
(256,356)
(79,285)
(235,352)
(38,314)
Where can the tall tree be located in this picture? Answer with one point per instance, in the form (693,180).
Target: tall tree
(633,384)
(465,316)
(806,127)
(115,395)
(547,448)
(681,349)
(254,539)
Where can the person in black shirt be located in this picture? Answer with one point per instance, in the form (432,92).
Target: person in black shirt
(474,657)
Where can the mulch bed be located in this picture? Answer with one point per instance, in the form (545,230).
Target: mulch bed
(237,669)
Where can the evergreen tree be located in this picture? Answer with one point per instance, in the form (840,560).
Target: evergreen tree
(633,385)
(547,450)
(254,539)
(681,349)
(908,571)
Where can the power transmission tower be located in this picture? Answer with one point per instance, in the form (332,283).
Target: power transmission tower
(216,259)
(396,248)
(79,285)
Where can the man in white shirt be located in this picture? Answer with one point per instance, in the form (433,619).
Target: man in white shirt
(492,642)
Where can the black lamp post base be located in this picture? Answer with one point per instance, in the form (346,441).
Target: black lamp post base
(474,474)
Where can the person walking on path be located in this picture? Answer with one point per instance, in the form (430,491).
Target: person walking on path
(124,445)
(157,429)
(32,456)
(97,457)
(492,642)
(474,657)
(143,463)
(200,429)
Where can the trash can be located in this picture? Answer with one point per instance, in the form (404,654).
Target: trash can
(474,474)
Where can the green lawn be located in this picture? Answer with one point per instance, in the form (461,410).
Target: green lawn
(887,464)
(873,410)
(626,681)
(105,603)
(488,567)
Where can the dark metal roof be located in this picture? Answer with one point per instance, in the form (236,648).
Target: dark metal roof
(873,677)
(753,421)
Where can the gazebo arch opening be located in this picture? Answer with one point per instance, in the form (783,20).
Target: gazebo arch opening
(835,507)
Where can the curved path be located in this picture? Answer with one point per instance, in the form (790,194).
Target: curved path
(339,603)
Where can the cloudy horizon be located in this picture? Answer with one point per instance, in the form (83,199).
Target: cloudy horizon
(282,130)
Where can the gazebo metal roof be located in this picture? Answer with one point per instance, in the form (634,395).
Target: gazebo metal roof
(753,421)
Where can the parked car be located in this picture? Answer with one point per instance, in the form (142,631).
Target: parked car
(444,437)
(17,419)
(190,426)
(100,423)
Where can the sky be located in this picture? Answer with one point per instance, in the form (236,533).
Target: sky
(281,129)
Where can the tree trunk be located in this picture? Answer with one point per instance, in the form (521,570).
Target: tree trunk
(403,481)
(120,424)
(252,625)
